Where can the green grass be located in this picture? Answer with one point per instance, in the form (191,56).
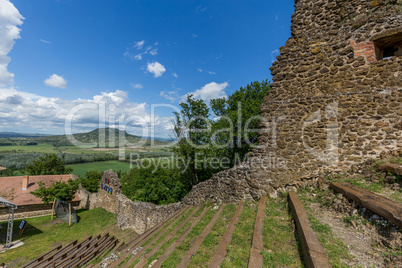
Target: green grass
(169,242)
(42,234)
(211,241)
(336,249)
(40,148)
(239,249)
(280,246)
(81,169)
(49,148)
(175,258)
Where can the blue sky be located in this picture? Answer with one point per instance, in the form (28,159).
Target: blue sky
(61,60)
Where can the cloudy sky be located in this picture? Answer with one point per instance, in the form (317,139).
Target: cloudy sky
(74,65)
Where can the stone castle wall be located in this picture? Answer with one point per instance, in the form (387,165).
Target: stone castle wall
(31,211)
(334,102)
(139,216)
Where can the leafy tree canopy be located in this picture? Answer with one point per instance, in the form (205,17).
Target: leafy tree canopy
(64,191)
(49,164)
(91,181)
(155,184)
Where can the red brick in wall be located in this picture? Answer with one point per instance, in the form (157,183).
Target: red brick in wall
(365,49)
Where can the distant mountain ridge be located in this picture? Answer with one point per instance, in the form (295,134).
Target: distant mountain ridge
(101,137)
(21,135)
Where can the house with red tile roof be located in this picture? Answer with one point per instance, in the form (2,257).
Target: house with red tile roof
(18,190)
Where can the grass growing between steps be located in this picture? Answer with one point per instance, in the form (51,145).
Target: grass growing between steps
(175,258)
(239,249)
(336,249)
(211,241)
(182,218)
(280,246)
(169,242)
(42,234)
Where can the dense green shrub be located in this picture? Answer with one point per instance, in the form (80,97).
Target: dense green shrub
(64,191)
(49,164)
(91,181)
(155,184)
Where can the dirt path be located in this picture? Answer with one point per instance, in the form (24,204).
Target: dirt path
(359,243)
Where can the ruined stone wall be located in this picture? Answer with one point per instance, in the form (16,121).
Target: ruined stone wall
(31,211)
(139,216)
(335,100)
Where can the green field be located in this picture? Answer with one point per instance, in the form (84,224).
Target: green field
(81,169)
(49,148)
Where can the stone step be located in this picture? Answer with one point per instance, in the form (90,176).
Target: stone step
(160,244)
(256,258)
(193,250)
(147,235)
(314,253)
(383,206)
(220,253)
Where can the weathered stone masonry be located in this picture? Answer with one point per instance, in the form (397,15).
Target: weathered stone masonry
(139,216)
(335,99)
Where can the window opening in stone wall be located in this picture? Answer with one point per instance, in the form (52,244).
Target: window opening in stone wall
(389,46)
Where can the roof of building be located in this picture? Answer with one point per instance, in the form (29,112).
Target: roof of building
(11,188)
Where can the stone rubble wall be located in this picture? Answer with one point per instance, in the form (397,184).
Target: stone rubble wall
(31,211)
(138,216)
(333,102)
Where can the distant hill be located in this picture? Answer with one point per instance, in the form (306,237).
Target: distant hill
(101,137)
(21,135)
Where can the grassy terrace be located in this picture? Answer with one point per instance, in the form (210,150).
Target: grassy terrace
(280,246)
(81,169)
(42,234)
(211,242)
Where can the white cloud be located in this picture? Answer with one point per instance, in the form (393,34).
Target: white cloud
(194,35)
(274,54)
(138,56)
(136,86)
(10,19)
(45,41)
(209,72)
(132,52)
(56,81)
(209,91)
(276,18)
(175,75)
(170,95)
(156,68)
(200,9)
(139,44)
(21,110)
(154,52)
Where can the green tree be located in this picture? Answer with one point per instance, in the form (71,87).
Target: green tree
(193,131)
(49,164)
(239,120)
(64,191)
(91,181)
(156,184)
